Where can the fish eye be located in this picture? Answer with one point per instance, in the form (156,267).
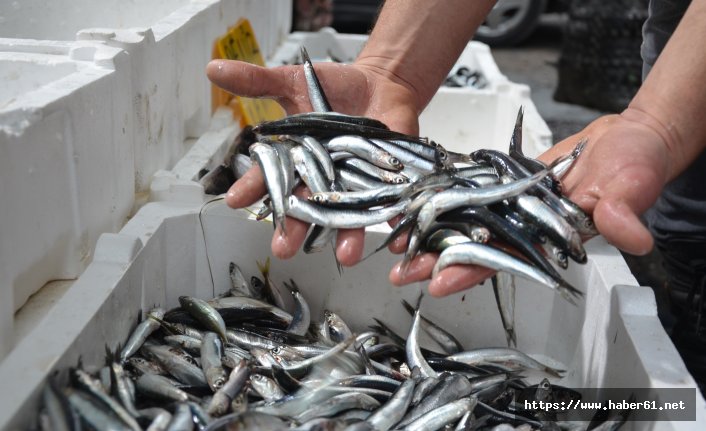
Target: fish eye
(561,257)
(276,351)
(394,161)
(317,198)
(399,180)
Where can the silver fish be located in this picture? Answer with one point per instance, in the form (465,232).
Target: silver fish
(412,349)
(266,158)
(205,314)
(313,86)
(443,415)
(502,355)
(140,334)
(489,257)
(342,219)
(392,412)
(504,290)
(153,385)
(211,352)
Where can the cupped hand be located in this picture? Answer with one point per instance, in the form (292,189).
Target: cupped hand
(619,175)
(359,89)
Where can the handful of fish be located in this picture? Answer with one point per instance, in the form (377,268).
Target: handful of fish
(241,361)
(485,208)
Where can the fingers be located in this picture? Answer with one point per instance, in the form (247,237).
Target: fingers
(618,205)
(245,79)
(456,278)
(621,227)
(399,244)
(453,279)
(285,247)
(419,269)
(349,246)
(247,190)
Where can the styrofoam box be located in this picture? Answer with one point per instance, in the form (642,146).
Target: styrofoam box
(446,117)
(66,167)
(611,339)
(99,96)
(169,43)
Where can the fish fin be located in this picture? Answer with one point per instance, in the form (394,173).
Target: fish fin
(516,139)
(579,147)
(339,265)
(112,355)
(264,268)
(569,292)
(305,55)
(407,306)
(419,301)
(293,286)
(511,337)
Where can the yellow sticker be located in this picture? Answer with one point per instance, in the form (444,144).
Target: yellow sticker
(240,44)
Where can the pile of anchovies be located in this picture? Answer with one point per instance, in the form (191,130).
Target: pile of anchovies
(486,208)
(240,361)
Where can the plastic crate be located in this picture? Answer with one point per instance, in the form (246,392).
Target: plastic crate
(612,339)
(102,95)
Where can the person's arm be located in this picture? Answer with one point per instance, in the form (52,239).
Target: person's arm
(629,157)
(672,100)
(416,43)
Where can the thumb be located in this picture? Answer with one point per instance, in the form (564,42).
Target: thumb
(249,80)
(616,213)
(621,226)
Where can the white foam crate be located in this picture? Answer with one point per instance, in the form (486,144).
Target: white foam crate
(446,118)
(612,339)
(169,43)
(66,169)
(104,94)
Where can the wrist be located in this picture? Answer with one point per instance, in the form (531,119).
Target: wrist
(383,67)
(667,133)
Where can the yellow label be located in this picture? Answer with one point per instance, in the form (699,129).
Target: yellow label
(240,44)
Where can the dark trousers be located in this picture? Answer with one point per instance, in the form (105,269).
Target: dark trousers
(684,260)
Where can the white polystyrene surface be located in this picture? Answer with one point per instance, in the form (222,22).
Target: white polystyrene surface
(66,173)
(62,19)
(22,73)
(446,119)
(613,338)
(101,96)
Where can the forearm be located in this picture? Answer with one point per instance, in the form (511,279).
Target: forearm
(672,100)
(415,42)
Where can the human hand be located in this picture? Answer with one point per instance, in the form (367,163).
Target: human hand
(360,89)
(619,175)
